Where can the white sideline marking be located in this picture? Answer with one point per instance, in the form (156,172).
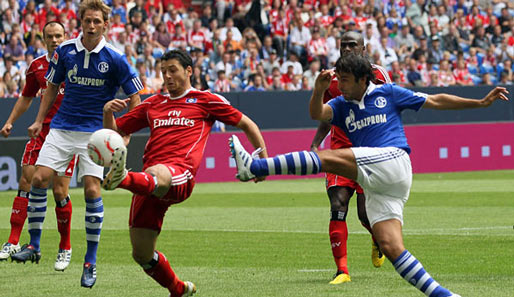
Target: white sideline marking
(434,231)
(315,270)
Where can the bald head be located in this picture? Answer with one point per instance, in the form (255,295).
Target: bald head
(352,42)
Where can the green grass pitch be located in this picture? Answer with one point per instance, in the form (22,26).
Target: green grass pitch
(271,239)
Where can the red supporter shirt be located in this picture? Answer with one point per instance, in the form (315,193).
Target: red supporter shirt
(179,127)
(338,138)
(35,80)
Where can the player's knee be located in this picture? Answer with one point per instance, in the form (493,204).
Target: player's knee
(390,247)
(24,184)
(92,192)
(339,198)
(40,180)
(60,193)
(163,176)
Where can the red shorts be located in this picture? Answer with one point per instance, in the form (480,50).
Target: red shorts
(33,147)
(333,180)
(148,211)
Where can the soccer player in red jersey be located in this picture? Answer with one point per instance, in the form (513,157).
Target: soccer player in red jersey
(340,189)
(53,34)
(179,126)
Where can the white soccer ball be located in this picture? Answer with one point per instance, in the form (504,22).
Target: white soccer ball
(102,144)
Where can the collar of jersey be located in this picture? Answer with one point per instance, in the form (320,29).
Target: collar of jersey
(371,88)
(181,95)
(80,46)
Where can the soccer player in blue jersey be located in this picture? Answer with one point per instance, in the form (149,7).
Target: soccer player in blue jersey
(379,161)
(92,70)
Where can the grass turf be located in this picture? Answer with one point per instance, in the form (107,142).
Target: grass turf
(271,239)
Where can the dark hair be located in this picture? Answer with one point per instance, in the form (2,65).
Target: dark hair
(355,64)
(53,22)
(183,57)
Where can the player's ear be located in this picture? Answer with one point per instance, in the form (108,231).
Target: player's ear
(189,70)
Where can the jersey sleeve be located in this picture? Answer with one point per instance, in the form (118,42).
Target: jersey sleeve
(134,120)
(337,105)
(219,107)
(31,83)
(407,99)
(127,76)
(56,70)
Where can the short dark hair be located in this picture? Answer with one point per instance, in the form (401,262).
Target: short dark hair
(53,22)
(355,64)
(183,57)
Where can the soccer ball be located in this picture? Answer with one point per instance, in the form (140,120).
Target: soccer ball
(102,144)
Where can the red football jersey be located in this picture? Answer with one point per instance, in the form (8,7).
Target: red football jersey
(35,80)
(338,138)
(179,127)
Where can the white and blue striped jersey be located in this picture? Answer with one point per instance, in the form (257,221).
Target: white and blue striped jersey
(91,79)
(375,121)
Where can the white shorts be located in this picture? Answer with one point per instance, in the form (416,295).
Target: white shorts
(59,148)
(385,174)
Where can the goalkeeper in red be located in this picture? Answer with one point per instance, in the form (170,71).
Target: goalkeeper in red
(179,126)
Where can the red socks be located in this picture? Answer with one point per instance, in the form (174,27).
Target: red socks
(18,216)
(63,214)
(140,183)
(338,232)
(162,273)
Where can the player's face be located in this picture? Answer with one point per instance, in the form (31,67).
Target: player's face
(351,89)
(176,78)
(93,25)
(53,36)
(350,45)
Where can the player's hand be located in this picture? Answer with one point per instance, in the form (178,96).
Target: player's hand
(6,130)
(35,129)
(116,105)
(323,80)
(495,94)
(259,179)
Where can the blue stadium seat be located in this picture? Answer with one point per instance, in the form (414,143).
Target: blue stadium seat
(476,79)
(472,69)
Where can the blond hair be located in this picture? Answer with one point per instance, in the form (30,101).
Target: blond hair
(96,5)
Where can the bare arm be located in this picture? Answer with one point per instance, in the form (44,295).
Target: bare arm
(47,101)
(318,110)
(115,105)
(135,100)
(321,133)
(446,101)
(21,106)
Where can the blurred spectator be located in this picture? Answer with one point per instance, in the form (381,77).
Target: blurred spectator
(446,77)
(161,39)
(222,84)
(305,84)
(206,16)
(266,48)
(413,75)
(312,72)
(480,42)
(422,50)
(387,54)
(504,19)
(280,32)
(435,52)
(229,26)
(229,41)
(137,14)
(225,65)
(178,40)
(299,39)
(452,40)
(272,62)
(118,8)
(462,75)
(116,27)
(42,12)
(295,84)
(256,83)
(486,79)
(318,48)
(497,36)
(505,79)
(69,11)
(14,49)
(223,9)
(292,61)
(155,79)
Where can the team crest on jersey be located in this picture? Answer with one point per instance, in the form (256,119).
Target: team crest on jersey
(103,67)
(380,102)
(191,100)
(55,58)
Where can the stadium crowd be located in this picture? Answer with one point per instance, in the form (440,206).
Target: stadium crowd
(245,45)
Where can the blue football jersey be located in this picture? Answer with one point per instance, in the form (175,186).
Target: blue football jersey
(91,79)
(375,121)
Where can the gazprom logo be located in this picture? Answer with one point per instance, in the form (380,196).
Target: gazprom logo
(191,100)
